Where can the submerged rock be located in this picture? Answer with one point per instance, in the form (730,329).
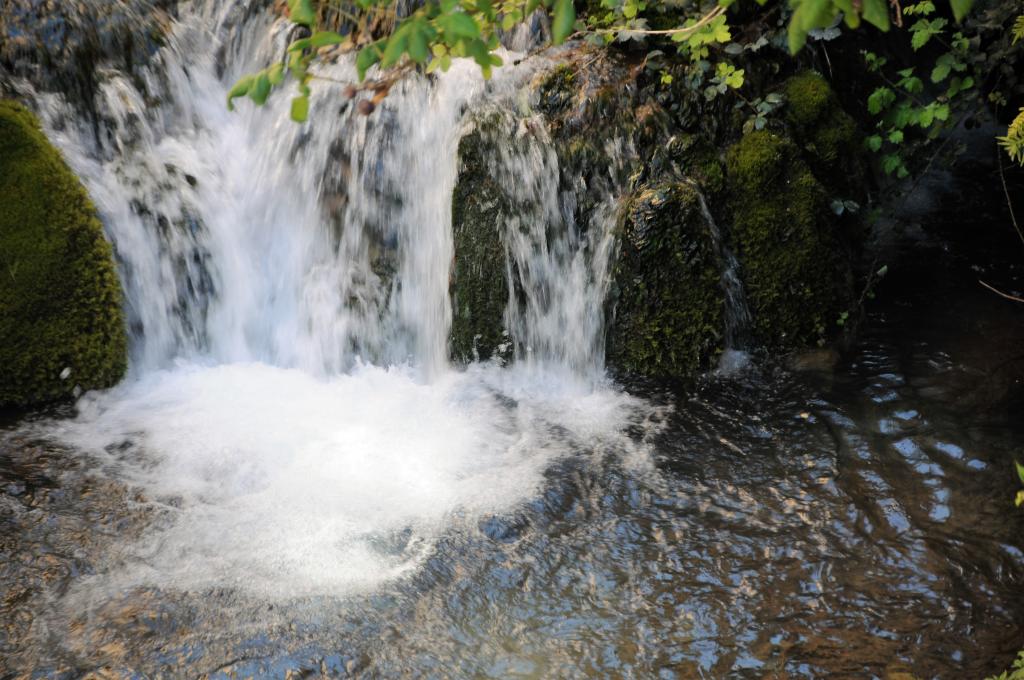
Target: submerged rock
(669,310)
(61,325)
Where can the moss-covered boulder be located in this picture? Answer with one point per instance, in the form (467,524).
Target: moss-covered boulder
(479,286)
(794,267)
(829,136)
(61,323)
(669,303)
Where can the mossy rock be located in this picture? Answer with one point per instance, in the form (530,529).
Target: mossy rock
(669,303)
(828,134)
(479,286)
(697,160)
(60,300)
(557,89)
(794,267)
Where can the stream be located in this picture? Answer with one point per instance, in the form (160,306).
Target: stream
(294,481)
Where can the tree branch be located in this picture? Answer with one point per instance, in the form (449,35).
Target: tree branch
(1001,293)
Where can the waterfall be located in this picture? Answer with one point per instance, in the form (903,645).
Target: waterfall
(290,410)
(558,267)
(245,237)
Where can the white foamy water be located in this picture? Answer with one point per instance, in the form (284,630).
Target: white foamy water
(286,485)
(290,408)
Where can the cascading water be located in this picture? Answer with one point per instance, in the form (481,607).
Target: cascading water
(558,269)
(291,412)
(736,312)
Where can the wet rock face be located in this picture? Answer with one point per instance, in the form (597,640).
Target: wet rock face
(61,324)
(61,46)
(479,285)
(770,193)
(669,304)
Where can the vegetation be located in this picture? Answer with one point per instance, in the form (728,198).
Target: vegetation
(912,106)
(1016,672)
(61,325)
(669,312)
(786,239)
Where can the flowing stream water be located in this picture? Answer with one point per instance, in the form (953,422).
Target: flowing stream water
(294,478)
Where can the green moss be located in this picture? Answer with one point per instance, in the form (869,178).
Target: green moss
(669,303)
(479,288)
(60,300)
(699,161)
(830,136)
(557,88)
(796,276)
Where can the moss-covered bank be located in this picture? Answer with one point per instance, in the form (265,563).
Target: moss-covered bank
(61,323)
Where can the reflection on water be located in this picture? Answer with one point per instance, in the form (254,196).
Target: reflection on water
(854,522)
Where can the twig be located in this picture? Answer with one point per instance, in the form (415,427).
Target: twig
(899,12)
(686,30)
(1001,293)
(1006,191)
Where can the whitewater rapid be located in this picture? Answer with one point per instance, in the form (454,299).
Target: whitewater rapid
(291,417)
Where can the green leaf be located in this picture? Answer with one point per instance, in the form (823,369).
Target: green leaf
(395,48)
(459,25)
(912,85)
(874,142)
(302,12)
(239,89)
(367,57)
(276,74)
(300,109)
(921,9)
(260,89)
(719,30)
(919,39)
(890,163)
(325,38)
(943,66)
(561,23)
(880,99)
(418,51)
(1020,471)
(797,37)
(896,136)
(876,13)
(961,8)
